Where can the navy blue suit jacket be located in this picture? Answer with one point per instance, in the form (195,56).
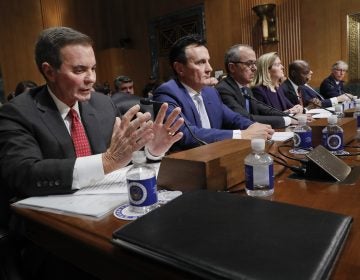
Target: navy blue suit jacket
(222,119)
(276,100)
(329,88)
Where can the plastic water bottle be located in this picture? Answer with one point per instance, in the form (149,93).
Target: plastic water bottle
(141,183)
(302,136)
(333,136)
(339,110)
(357,117)
(259,170)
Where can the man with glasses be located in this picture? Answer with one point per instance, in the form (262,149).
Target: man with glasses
(296,88)
(240,65)
(207,117)
(333,85)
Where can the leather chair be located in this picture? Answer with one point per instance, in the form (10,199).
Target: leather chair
(125,101)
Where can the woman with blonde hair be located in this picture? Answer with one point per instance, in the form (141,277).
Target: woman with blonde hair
(270,73)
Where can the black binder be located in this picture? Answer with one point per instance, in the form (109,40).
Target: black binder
(217,235)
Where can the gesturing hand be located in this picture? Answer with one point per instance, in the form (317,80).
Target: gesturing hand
(128,136)
(165,133)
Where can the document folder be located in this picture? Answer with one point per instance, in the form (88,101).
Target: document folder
(217,235)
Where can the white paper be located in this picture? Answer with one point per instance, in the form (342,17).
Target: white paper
(89,205)
(282,136)
(324,115)
(319,110)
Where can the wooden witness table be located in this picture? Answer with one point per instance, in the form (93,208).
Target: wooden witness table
(87,242)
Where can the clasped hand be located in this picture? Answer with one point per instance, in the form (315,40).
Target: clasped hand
(132,134)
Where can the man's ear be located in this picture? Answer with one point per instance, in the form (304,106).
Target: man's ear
(179,68)
(49,71)
(231,67)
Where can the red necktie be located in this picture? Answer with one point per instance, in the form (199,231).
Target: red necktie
(78,135)
(301,101)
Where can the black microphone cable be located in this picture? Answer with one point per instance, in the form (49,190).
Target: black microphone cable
(300,170)
(147,101)
(246,95)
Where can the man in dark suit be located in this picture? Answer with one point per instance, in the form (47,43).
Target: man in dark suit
(39,151)
(240,65)
(298,91)
(207,117)
(333,85)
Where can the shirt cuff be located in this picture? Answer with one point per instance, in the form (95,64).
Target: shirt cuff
(236,134)
(87,170)
(152,157)
(287,121)
(334,101)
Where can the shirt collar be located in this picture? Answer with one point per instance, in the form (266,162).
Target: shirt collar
(61,106)
(295,86)
(191,91)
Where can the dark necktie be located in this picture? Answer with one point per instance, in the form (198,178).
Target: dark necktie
(247,102)
(78,135)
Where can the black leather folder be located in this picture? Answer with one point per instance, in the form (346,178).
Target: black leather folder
(217,235)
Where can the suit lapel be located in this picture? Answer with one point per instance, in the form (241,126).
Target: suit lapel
(238,94)
(92,127)
(53,121)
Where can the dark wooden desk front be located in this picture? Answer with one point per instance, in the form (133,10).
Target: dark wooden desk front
(86,242)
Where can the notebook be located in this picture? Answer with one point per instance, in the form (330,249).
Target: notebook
(218,235)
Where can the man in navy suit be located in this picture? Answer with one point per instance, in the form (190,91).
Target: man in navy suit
(207,117)
(333,85)
(297,90)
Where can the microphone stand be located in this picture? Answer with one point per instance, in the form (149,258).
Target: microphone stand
(246,95)
(147,101)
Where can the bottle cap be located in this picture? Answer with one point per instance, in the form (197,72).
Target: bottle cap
(302,119)
(338,108)
(333,119)
(258,144)
(138,157)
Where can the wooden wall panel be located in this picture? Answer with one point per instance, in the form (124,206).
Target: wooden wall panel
(230,22)
(307,29)
(20,23)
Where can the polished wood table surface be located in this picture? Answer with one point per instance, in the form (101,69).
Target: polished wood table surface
(87,242)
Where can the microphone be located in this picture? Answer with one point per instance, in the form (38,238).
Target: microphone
(246,95)
(318,106)
(148,101)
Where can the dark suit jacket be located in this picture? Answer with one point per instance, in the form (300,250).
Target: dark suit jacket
(289,92)
(276,100)
(329,88)
(309,93)
(234,99)
(306,92)
(222,119)
(36,151)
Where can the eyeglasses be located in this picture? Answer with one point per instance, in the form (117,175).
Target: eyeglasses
(250,63)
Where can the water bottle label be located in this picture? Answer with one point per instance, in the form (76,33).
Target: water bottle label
(302,140)
(358,121)
(334,141)
(142,192)
(259,177)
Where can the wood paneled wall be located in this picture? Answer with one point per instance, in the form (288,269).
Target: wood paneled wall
(306,29)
